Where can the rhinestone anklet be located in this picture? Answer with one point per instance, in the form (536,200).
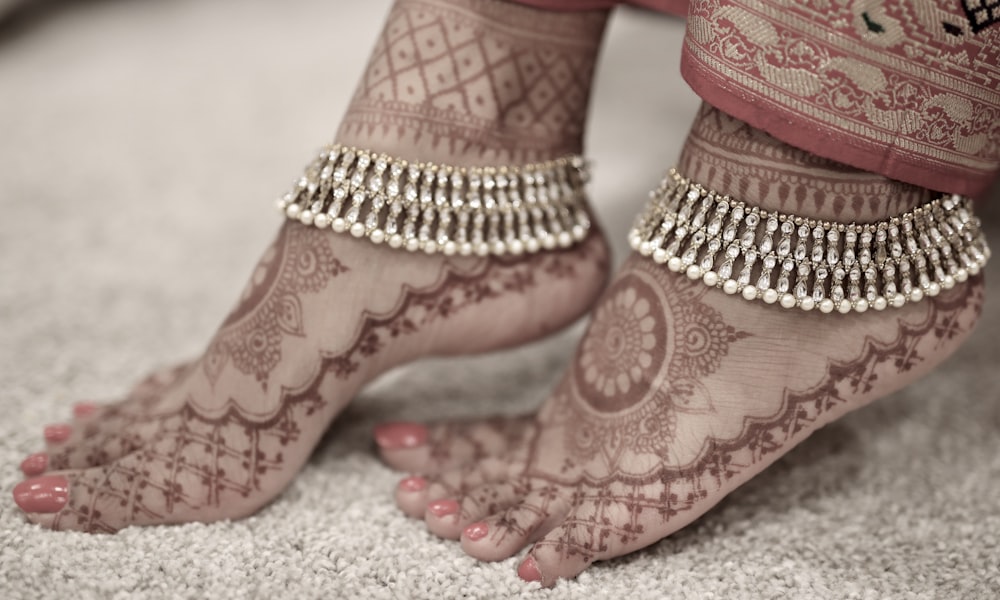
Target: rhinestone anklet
(440,208)
(809,263)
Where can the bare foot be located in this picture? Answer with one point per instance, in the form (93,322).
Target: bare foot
(678,392)
(468,82)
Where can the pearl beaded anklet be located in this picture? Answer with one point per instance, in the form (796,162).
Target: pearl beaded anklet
(440,208)
(810,263)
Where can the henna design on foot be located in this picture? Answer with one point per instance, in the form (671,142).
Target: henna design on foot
(269,307)
(159,457)
(639,364)
(192,468)
(626,457)
(455,292)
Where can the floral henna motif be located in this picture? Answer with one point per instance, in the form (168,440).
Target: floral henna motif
(639,364)
(702,340)
(300,261)
(621,508)
(622,345)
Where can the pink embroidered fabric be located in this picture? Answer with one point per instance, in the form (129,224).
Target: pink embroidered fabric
(677,7)
(907,89)
(910,90)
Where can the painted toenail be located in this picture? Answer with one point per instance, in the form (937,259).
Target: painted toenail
(476,531)
(397,436)
(84,409)
(528,570)
(35,464)
(47,494)
(57,433)
(443,508)
(413,484)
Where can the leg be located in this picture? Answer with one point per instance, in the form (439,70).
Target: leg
(464,82)
(680,393)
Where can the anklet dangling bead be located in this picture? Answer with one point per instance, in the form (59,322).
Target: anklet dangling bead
(441,208)
(809,263)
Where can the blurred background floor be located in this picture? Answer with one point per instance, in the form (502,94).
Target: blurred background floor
(141,145)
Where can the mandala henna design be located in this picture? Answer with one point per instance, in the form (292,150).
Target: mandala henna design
(300,261)
(622,508)
(639,364)
(703,339)
(624,342)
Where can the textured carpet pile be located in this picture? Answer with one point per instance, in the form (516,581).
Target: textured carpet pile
(141,144)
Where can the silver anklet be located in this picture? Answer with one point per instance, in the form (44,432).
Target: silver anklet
(809,263)
(440,208)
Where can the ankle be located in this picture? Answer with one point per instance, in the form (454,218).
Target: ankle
(472,82)
(730,156)
(850,258)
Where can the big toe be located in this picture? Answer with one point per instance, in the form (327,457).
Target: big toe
(151,486)
(96,500)
(46,494)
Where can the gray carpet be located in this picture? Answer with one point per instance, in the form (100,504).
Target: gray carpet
(141,144)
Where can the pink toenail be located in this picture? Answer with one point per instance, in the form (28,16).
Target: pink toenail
(84,409)
(57,433)
(528,570)
(443,508)
(35,464)
(476,531)
(47,494)
(397,436)
(413,484)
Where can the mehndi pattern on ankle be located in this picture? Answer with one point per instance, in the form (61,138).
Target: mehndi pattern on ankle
(440,208)
(810,263)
